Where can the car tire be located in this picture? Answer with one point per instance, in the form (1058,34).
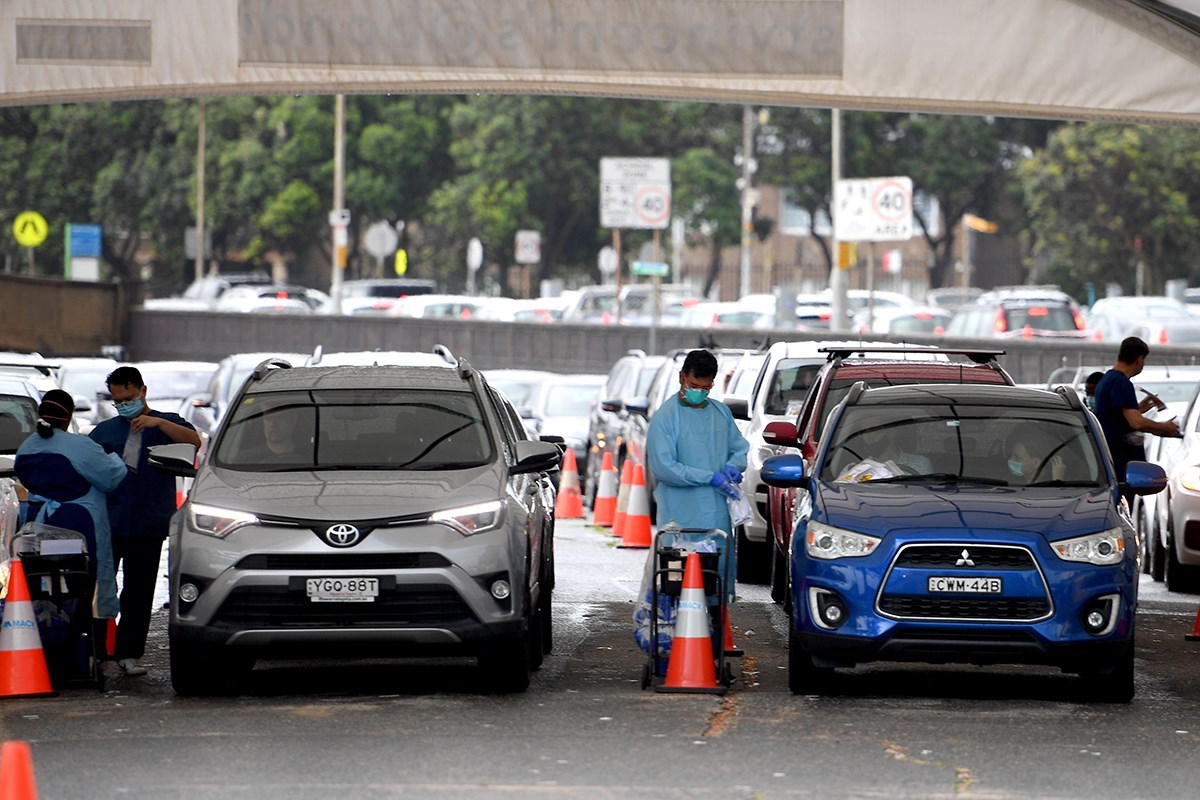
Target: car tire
(591,477)
(804,677)
(1156,553)
(1115,685)
(779,573)
(1177,577)
(504,666)
(752,564)
(201,670)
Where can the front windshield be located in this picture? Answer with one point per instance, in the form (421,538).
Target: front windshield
(18,416)
(1169,391)
(87,382)
(999,445)
(395,429)
(570,400)
(177,383)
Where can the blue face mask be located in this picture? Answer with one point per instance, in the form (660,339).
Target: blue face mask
(1016,467)
(131,408)
(695,396)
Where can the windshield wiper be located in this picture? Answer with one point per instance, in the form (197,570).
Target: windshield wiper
(940,477)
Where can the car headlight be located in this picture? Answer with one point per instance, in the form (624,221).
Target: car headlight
(470,519)
(828,542)
(1102,549)
(1190,479)
(218,522)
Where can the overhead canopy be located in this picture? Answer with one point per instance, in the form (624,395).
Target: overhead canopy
(1122,60)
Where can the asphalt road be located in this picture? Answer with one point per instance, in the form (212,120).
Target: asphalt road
(586,729)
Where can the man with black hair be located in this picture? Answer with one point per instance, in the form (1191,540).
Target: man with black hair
(140,509)
(695,451)
(1119,411)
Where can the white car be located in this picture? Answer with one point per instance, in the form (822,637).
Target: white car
(18,418)
(83,379)
(1172,547)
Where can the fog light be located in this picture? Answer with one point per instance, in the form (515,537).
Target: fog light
(1100,616)
(501,590)
(828,610)
(189,592)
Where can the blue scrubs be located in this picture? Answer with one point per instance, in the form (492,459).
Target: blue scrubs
(68,475)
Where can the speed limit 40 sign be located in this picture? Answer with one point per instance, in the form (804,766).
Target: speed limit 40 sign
(635,193)
(873,210)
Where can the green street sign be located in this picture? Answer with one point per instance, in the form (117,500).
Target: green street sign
(651,269)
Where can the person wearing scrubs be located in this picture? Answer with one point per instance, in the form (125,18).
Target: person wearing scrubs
(67,476)
(141,507)
(696,454)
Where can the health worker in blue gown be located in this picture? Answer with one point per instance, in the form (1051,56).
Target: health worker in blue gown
(67,476)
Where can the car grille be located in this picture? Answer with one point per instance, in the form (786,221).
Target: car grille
(404,606)
(958,607)
(342,561)
(934,559)
(949,556)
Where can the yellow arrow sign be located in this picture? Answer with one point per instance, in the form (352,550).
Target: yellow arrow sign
(30,228)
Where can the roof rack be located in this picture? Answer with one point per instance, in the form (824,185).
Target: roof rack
(841,352)
(444,351)
(315,358)
(1070,395)
(465,370)
(45,369)
(269,365)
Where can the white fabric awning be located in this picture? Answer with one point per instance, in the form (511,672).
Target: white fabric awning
(1122,60)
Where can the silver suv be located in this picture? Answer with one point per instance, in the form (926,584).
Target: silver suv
(375,511)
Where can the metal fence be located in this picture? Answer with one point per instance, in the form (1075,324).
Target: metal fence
(555,347)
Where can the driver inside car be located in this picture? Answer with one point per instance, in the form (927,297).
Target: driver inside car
(885,451)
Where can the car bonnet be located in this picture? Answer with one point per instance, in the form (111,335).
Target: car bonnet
(1056,513)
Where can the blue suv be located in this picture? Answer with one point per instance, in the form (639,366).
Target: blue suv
(963,524)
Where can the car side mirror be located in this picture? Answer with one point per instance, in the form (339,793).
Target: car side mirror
(783,434)
(1142,478)
(613,406)
(639,406)
(784,472)
(174,459)
(535,457)
(739,406)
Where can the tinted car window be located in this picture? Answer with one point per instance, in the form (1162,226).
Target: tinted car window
(410,430)
(1046,318)
(18,415)
(790,385)
(839,387)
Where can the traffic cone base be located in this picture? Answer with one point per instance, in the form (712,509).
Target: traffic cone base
(604,505)
(1194,636)
(16,772)
(690,667)
(23,671)
(569,504)
(618,527)
(730,648)
(636,532)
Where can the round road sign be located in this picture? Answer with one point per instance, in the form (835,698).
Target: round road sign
(607,261)
(653,206)
(30,228)
(474,254)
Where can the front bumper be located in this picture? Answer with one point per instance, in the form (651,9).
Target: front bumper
(434,590)
(889,613)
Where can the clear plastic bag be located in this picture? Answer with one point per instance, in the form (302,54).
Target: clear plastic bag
(739,507)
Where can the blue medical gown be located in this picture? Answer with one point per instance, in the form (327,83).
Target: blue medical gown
(684,447)
(69,474)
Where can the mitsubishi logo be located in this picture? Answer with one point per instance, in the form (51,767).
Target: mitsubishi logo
(964,561)
(342,535)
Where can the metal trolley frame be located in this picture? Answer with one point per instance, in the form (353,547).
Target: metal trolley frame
(670,550)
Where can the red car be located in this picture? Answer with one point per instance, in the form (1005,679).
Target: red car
(834,380)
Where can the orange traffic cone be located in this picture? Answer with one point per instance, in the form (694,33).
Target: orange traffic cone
(604,507)
(16,772)
(730,649)
(1194,636)
(23,671)
(618,528)
(570,502)
(636,532)
(691,667)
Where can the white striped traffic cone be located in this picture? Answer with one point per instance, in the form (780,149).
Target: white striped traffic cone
(691,667)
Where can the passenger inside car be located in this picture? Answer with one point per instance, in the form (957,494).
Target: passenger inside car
(884,452)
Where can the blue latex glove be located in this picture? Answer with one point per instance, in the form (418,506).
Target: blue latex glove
(720,482)
(732,473)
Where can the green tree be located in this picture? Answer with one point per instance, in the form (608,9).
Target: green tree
(1096,190)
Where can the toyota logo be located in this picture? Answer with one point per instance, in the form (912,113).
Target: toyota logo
(342,535)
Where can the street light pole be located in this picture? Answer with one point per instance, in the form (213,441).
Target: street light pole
(747,204)
(339,168)
(201,126)
(838,279)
